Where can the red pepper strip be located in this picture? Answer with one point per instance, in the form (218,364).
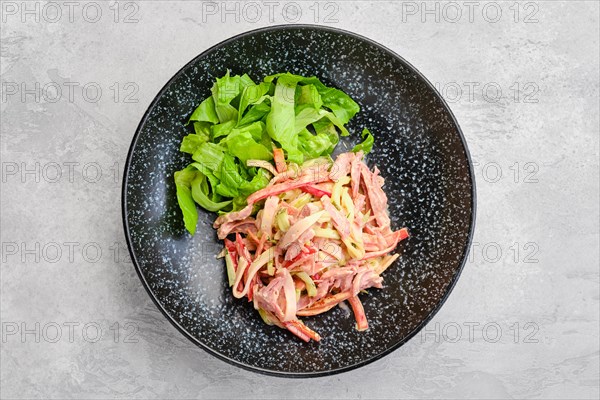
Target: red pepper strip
(229,245)
(310,249)
(359,313)
(315,191)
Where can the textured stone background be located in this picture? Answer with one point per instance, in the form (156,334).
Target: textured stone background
(523,319)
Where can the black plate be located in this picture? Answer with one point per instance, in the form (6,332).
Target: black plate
(419,149)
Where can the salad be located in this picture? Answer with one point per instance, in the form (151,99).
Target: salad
(302,232)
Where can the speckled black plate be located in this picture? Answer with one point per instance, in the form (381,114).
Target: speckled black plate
(419,149)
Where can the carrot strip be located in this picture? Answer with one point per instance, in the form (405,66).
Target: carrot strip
(279,158)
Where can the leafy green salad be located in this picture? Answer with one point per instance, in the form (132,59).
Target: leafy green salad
(243,120)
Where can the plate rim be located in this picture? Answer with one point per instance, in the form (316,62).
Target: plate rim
(284,374)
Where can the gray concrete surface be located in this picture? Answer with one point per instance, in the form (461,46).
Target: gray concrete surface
(523,81)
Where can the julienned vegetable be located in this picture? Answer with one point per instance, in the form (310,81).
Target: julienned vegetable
(321,237)
(245,121)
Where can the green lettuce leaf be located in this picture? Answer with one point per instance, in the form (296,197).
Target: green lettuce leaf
(230,177)
(200,190)
(256,112)
(220,130)
(252,94)
(260,181)
(210,157)
(367,145)
(244,143)
(315,145)
(309,95)
(224,91)
(192,142)
(340,103)
(205,112)
(245,81)
(183,180)
(281,119)
(334,99)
